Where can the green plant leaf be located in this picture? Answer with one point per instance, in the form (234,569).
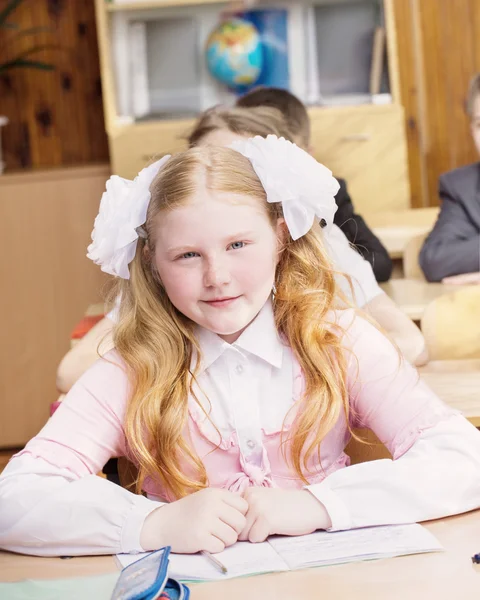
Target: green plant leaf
(9,26)
(34,49)
(33,31)
(11,6)
(32,64)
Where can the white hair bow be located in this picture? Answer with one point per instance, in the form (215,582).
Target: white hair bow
(123,211)
(293,177)
(288,174)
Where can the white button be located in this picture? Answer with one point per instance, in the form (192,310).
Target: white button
(251,444)
(239,369)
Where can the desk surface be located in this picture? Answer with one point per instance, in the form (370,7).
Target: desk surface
(414,295)
(442,575)
(460,390)
(396,228)
(396,238)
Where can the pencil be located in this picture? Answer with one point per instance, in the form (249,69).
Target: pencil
(221,567)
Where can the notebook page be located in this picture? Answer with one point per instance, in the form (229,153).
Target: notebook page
(243,558)
(324,548)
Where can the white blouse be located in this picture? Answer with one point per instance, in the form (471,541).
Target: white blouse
(52,503)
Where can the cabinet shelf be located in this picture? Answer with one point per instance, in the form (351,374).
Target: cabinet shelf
(155,81)
(130,6)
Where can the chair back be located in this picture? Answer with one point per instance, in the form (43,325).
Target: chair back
(411,266)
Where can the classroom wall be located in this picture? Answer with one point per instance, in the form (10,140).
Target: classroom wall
(439,51)
(56,118)
(46,285)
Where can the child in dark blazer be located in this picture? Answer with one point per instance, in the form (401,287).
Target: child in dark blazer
(451,253)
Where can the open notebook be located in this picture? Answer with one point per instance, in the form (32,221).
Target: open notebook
(281,553)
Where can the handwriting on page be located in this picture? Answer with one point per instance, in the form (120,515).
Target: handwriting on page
(323,548)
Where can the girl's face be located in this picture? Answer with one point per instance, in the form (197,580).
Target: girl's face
(216,257)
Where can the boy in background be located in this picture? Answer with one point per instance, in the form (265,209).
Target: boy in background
(451,253)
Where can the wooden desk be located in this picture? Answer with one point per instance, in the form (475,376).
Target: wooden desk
(442,575)
(396,228)
(412,296)
(460,389)
(396,238)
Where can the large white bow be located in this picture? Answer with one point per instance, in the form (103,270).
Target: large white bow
(123,209)
(293,177)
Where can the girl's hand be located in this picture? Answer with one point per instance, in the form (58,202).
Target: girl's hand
(287,512)
(207,520)
(464,279)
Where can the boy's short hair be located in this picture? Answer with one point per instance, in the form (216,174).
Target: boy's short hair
(289,105)
(473,93)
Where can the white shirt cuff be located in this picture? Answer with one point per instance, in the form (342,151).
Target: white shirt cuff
(337,509)
(132,529)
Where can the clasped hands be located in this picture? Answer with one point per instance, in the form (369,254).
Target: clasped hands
(213,519)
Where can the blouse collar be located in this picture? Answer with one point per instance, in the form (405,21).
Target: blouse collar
(260,338)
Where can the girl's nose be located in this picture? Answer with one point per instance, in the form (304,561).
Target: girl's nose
(216,274)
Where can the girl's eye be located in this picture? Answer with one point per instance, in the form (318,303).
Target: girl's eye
(188,255)
(237,245)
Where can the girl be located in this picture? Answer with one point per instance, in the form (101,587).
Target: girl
(222,127)
(236,378)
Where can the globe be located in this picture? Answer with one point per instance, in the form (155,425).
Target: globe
(234,53)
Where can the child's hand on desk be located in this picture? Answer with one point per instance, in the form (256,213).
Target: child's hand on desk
(286,512)
(207,520)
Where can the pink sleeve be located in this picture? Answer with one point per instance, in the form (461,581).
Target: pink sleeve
(87,428)
(386,393)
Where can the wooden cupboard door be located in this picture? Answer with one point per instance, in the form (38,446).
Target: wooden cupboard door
(366,146)
(47,283)
(133,147)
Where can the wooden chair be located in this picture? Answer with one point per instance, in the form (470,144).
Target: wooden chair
(451,325)
(411,266)
(372,449)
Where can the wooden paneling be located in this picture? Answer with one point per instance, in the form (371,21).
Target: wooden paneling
(439,50)
(47,283)
(56,118)
(366,146)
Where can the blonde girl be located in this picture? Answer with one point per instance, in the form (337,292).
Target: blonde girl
(235,380)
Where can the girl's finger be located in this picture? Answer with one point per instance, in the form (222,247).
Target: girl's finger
(259,531)
(232,517)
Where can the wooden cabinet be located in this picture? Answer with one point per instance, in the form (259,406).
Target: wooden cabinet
(47,282)
(133,146)
(365,144)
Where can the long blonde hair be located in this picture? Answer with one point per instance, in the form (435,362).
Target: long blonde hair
(157,342)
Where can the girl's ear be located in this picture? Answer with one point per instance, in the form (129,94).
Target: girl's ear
(146,253)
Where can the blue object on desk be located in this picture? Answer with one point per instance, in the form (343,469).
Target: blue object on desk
(147,579)
(476,559)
